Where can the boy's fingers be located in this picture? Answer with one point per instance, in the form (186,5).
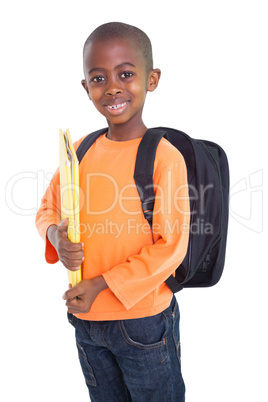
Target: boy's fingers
(76,305)
(72,293)
(71,255)
(72,265)
(76,268)
(71,247)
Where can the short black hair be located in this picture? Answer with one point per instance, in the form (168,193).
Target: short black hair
(115,30)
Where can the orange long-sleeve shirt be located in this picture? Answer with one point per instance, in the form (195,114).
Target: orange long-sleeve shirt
(118,242)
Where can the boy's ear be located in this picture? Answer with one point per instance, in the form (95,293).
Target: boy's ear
(153,80)
(84,84)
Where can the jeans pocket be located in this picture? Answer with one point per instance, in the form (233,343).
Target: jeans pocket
(146,333)
(86,367)
(176,329)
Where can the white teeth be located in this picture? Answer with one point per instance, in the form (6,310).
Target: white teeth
(117,106)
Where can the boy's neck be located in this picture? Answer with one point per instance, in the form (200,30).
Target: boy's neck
(122,132)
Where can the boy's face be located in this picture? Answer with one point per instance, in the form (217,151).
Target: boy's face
(116,79)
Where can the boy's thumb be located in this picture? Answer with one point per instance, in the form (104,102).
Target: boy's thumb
(63,226)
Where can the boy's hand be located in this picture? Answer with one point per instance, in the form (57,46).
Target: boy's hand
(70,254)
(80,298)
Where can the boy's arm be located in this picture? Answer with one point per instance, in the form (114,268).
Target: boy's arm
(55,232)
(58,247)
(49,213)
(143,273)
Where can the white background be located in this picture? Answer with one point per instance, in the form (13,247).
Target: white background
(213,57)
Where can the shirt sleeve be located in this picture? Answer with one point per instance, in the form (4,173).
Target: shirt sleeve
(49,214)
(143,273)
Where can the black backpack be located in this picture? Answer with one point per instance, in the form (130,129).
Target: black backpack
(208,180)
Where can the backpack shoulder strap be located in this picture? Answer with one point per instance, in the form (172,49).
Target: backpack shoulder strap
(143,177)
(144,168)
(87,142)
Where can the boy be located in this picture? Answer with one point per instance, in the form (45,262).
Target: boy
(126,317)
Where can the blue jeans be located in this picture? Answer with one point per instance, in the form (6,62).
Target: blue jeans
(134,360)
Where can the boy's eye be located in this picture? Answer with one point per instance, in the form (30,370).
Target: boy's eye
(126,74)
(98,78)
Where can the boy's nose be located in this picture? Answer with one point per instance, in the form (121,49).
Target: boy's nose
(114,87)
(113,91)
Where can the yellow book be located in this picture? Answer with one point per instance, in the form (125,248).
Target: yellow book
(69,188)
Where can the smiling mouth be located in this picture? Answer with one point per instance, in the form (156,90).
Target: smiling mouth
(114,107)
